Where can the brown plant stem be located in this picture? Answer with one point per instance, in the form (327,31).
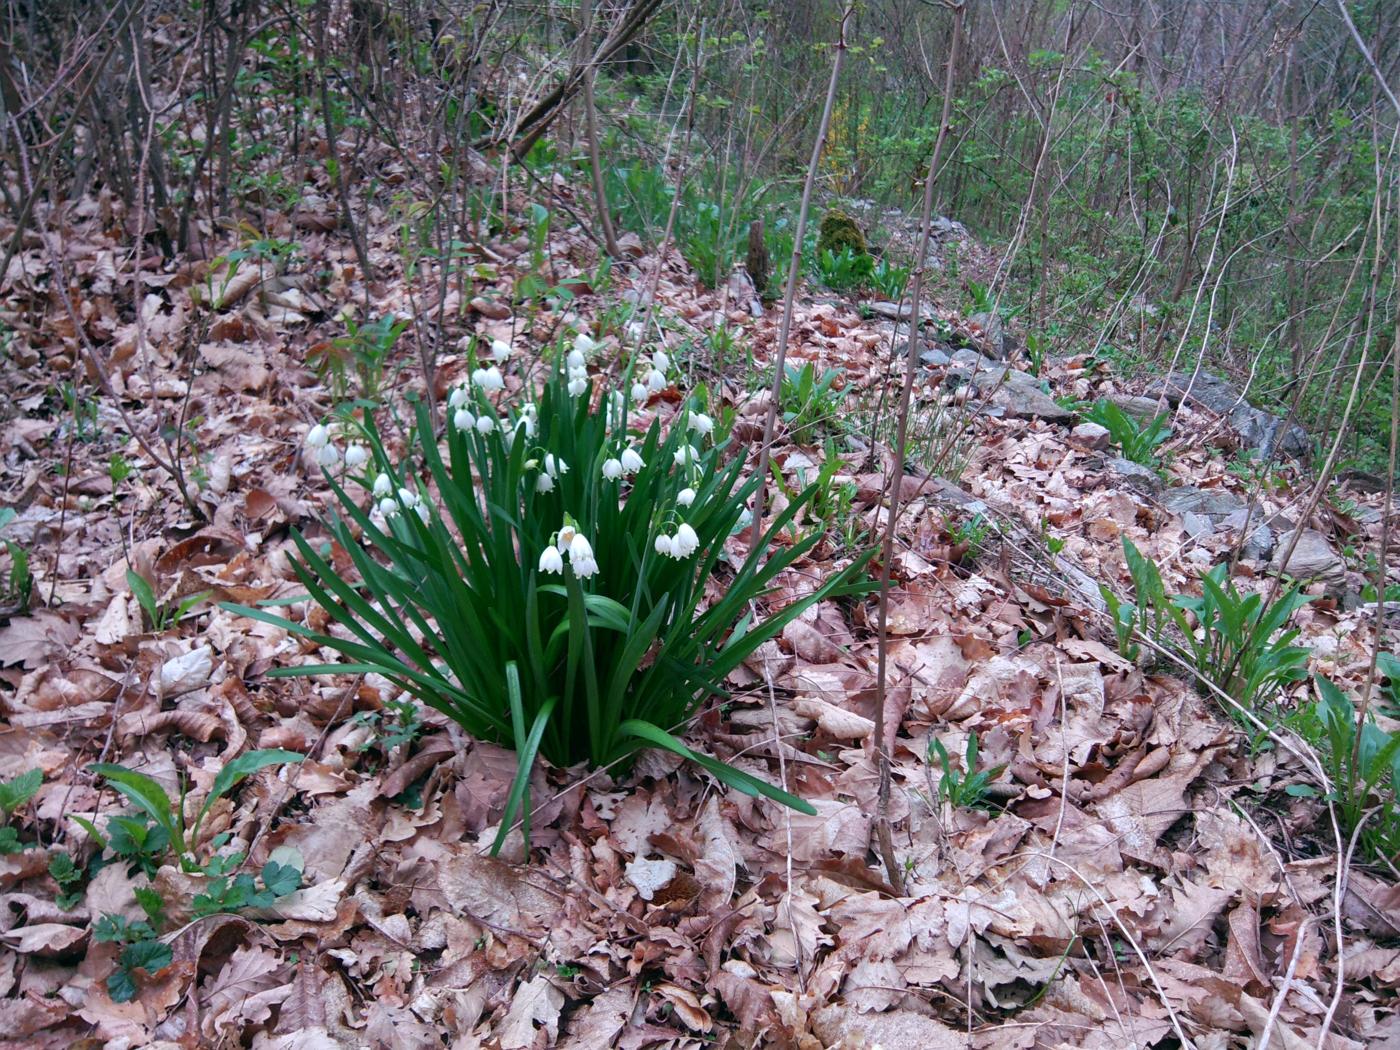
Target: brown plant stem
(885,835)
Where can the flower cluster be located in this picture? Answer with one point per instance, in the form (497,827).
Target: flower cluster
(655,379)
(570,541)
(627,464)
(318,439)
(578,364)
(682,545)
(389,504)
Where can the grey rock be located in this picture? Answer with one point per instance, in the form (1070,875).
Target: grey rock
(1215,504)
(944,228)
(1135,476)
(1312,558)
(1140,409)
(1197,526)
(935,356)
(900,311)
(1259,544)
(992,341)
(1090,435)
(1258,429)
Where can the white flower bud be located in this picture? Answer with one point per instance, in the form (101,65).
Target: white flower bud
(632,461)
(318,436)
(500,350)
(485,424)
(424,513)
(458,397)
(489,378)
(382,486)
(660,361)
(584,344)
(685,497)
(462,419)
(701,423)
(388,506)
(576,359)
(327,456)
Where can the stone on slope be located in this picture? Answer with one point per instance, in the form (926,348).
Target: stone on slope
(1214,504)
(1258,429)
(1313,558)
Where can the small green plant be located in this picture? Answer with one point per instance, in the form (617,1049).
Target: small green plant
(970,788)
(1364,772)
(150,799)
(362,352)
(549,594)
(160,617)
(225,894)
(810,401)
(141,951)
(971,535)
(86,426)
(1135,441)
(890,280)
(1037,348)
(832,502)
(1232,640)
(1249,467)
(846,270)
(399,724)
(69,878)
(19,581)
(14,793)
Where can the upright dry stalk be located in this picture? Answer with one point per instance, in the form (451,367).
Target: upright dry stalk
(770,421)
(590,117)
(886,837)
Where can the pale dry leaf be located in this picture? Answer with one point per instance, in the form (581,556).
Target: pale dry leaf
(537,1002)
(837,721)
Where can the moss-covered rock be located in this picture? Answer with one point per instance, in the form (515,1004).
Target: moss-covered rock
(839,232)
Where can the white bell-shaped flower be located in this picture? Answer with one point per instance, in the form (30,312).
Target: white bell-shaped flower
(639,392)
(665,546)
(356,456)
(632,461)
(489,378)
(485,424)
(584,567)
(701,423)
(544,483)
(462,419)
(318,436)
(685,497)
(327,456)
(612,469)
(576,359)
(382,486)
(686,541)
(656,382)
(500,350)
(551,560)
(585,344)
(660,361)
(459,396)
(553,466)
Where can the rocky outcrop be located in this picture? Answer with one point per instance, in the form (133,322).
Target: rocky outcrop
(1265,433)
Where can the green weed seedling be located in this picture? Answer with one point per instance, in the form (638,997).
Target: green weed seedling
(1364,772)
(400,724)
(151,801)
(1232,640)
(1135,441)
(846,270)
(968,789)
(18,585)
(14,793)
(363,352)
(160,617)
(809,400)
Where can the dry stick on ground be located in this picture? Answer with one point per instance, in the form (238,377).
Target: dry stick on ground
(770,421)
(901,451)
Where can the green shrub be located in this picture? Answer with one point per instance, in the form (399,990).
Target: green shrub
(545,589)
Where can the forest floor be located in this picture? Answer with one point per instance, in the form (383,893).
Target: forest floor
(1140,875)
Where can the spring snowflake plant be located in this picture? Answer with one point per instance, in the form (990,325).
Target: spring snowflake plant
(540,580)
